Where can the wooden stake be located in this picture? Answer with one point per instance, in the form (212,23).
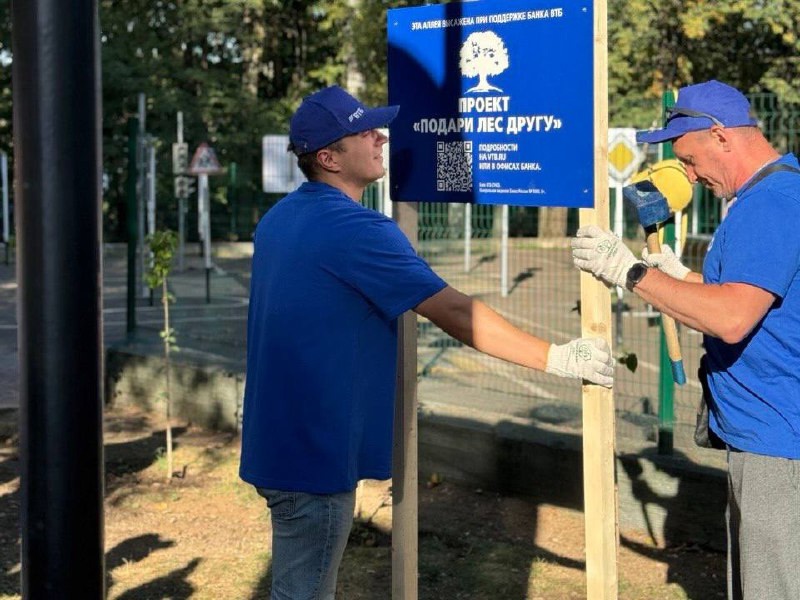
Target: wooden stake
(404,480)
(599,484)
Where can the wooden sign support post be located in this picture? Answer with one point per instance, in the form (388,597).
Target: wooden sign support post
(599,484)
(404,467)
(426,47)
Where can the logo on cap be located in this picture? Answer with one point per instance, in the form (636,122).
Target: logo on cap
(356,115)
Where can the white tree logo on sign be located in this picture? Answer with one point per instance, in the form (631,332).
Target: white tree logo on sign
(483,54)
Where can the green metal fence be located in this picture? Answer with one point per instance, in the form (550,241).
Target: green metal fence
(540,292)
(542,296)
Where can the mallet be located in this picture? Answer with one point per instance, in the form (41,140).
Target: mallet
(652,208)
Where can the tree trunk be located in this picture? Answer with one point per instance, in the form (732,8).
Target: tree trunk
(253,54)
(552,221)
(168,367)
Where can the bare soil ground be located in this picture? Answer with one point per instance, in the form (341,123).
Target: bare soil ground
(206,535)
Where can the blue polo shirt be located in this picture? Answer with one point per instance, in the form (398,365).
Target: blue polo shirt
(756,383)
(329,279)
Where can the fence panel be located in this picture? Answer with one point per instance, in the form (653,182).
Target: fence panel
(543,299)
(463,244)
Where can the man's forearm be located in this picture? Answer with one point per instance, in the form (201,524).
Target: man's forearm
(494,335)
(726,311)
(693,277)
(682,300)
(474,323)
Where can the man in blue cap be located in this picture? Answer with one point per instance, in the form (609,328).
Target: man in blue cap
(329,280)
(747,303)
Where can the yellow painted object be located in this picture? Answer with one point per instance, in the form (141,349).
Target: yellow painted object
(670,178)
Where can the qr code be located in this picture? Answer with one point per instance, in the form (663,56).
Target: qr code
(454,166)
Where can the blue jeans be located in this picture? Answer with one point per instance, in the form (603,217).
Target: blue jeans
(309,534)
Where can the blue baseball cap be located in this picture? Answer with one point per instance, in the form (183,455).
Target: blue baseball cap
(331,114)
(701,106)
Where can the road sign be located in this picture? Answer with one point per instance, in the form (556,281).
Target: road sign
(624,156)
(204,161)
(497,103)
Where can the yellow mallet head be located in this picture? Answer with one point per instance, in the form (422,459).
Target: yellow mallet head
(671,180)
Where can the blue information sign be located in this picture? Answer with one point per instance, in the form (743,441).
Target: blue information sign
(496,103)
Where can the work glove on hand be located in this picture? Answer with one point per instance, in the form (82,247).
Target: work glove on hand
(666,262)
(584,358)
(603,254)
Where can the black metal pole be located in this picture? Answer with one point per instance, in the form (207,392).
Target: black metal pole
(132,222)
(56,73)
(233,199)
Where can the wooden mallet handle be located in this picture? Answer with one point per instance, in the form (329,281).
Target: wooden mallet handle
(670,330)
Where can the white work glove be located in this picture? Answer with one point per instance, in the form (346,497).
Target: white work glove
(666,262)
(603,254)
(584,358)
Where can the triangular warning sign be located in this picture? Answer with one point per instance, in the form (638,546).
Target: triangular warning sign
(204,161)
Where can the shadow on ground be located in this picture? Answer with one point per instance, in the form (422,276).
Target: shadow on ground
(472,544)
(123,460)
(174,585)
(682,508)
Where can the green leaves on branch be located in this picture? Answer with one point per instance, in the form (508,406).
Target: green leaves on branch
(658,46)
(168,335)
(162,245)
(630,360)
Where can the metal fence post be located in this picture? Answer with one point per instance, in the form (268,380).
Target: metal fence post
(132,222)
(666,386)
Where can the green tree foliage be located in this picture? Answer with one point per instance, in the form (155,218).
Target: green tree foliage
(656,46)
(369,45)
(162,246)
(235,68)
(5,77)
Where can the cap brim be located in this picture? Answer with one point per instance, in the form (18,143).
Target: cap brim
(376,117)
(676,127)
(684,124)
(657,136)
(373,118)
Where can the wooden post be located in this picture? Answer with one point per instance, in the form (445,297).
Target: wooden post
(404,480)
(599,485)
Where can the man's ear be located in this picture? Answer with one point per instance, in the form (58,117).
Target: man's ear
(721,138)
(327,160)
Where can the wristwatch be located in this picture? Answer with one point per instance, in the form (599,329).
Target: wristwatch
(635,274)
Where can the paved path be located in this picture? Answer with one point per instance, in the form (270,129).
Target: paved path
(208,331)
(215,333)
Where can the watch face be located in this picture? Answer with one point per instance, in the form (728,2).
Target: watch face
(635,275)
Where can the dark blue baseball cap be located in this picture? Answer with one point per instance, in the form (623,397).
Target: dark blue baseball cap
(331,114)
(701,106)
